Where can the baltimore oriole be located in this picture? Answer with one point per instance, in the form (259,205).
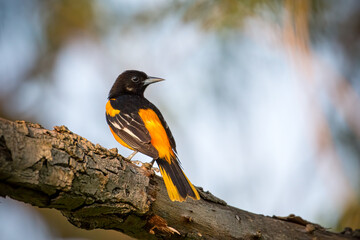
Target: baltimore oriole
(137,124)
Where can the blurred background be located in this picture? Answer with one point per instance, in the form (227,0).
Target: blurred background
(262,96)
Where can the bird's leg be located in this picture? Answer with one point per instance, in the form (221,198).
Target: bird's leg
(132,155)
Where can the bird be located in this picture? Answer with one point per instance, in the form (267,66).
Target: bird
(138,124)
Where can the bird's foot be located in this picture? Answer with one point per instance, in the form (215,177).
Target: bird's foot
(147,166)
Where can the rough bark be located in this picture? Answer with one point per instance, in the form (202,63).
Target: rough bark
(96,188)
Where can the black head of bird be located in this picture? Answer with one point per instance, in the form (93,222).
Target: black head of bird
(131,82)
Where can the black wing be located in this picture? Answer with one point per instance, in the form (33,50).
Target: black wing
(129,127)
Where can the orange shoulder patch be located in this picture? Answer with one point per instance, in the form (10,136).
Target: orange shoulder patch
(159,138)
(110,110)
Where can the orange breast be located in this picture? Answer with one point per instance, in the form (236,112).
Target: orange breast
(159,138)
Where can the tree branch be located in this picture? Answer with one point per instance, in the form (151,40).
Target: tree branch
(96,188)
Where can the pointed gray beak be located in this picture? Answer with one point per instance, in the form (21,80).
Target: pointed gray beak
(151,80)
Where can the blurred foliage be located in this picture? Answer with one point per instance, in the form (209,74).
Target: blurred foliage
(62,21)
(228,14)
(223,15)
(213,15)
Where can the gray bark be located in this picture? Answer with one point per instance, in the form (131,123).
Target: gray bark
(95,187)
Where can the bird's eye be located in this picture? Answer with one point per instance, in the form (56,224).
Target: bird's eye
(135,79)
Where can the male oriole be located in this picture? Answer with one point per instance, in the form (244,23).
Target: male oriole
(137,124)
